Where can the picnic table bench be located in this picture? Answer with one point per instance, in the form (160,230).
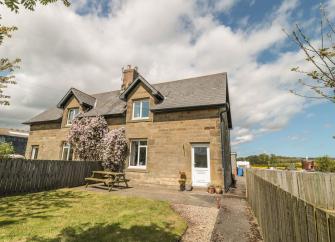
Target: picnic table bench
(108,178)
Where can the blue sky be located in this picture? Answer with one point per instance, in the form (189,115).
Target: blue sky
(309,133)
(86,45)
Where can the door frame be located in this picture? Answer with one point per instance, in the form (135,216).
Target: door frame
(208,162)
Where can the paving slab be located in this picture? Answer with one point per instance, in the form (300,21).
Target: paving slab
(197,197)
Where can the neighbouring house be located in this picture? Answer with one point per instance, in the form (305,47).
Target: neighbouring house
(18,138)
(307,164)
(174,126)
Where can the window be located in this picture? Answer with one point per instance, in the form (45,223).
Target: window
(71,114)
(141,109)
(67,152)
(138,154)
(200,157)
(34,152)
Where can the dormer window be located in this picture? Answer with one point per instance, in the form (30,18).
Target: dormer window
(71,114)
(141,109)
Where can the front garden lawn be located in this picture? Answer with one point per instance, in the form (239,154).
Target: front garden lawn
(72,215)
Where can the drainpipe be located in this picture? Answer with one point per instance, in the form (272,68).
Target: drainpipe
(227,175)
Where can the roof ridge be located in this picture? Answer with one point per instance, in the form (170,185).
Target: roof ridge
(159,83)
(82,92)
(185,79)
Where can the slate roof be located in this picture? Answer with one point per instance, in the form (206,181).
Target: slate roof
(153,91)
(203,91)
(83,98)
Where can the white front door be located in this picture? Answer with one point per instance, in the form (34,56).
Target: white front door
(200,165)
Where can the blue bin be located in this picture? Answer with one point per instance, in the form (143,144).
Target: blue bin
(240,171)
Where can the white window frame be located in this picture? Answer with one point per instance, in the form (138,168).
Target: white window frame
(138,154)
(68,121)
(33,152)
(68,146)
(141,109)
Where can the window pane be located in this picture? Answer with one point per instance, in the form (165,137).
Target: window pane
(200,157)
(143,142)
(72,114)
(143,154)
(134,153)
(65,152)
(75,112)
(71,154)
(145,109)
(137,110)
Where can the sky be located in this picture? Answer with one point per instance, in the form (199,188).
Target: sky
(86,45)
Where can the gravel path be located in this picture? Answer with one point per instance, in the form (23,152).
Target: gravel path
(200,221)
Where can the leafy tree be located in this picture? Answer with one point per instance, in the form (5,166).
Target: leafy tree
(273,160)
(321,78)
(6,149)
(14,5)
(86,135)
(325,164)
(115,149)
(7,67)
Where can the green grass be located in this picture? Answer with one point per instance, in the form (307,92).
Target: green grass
(71,215)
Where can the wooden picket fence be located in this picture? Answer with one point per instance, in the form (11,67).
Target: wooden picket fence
(283,216)
(24,176)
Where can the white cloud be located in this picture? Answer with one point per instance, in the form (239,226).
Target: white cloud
(167,40)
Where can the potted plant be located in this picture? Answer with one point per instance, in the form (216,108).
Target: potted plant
(182,181)
(211,189)
(218,189)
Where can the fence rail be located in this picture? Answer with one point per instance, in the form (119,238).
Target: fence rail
(317,188)
(21,176)
(283,216)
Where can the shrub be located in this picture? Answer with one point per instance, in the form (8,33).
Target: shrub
(6,149)
(325,164)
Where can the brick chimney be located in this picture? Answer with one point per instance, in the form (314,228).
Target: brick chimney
(129,74)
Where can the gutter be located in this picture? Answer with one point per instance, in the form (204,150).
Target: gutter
(224,161)
(161,110)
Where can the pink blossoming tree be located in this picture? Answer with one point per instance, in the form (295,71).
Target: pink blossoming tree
(86,135)
(115,149)
(91,140)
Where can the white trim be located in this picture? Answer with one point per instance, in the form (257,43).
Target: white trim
(208,169)
(138,154)
(141,109)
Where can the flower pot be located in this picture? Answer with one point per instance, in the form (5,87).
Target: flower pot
(211,190)
(188,187)
(218,190)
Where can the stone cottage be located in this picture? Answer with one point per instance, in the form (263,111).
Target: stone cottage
(172,127)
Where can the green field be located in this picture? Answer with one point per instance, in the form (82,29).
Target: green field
(71,215)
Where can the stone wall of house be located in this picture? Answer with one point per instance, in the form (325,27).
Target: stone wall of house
(49,141)
(169,145)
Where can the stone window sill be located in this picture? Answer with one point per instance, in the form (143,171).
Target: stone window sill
(136,170)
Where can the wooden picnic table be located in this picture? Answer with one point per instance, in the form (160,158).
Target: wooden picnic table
(109,178)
